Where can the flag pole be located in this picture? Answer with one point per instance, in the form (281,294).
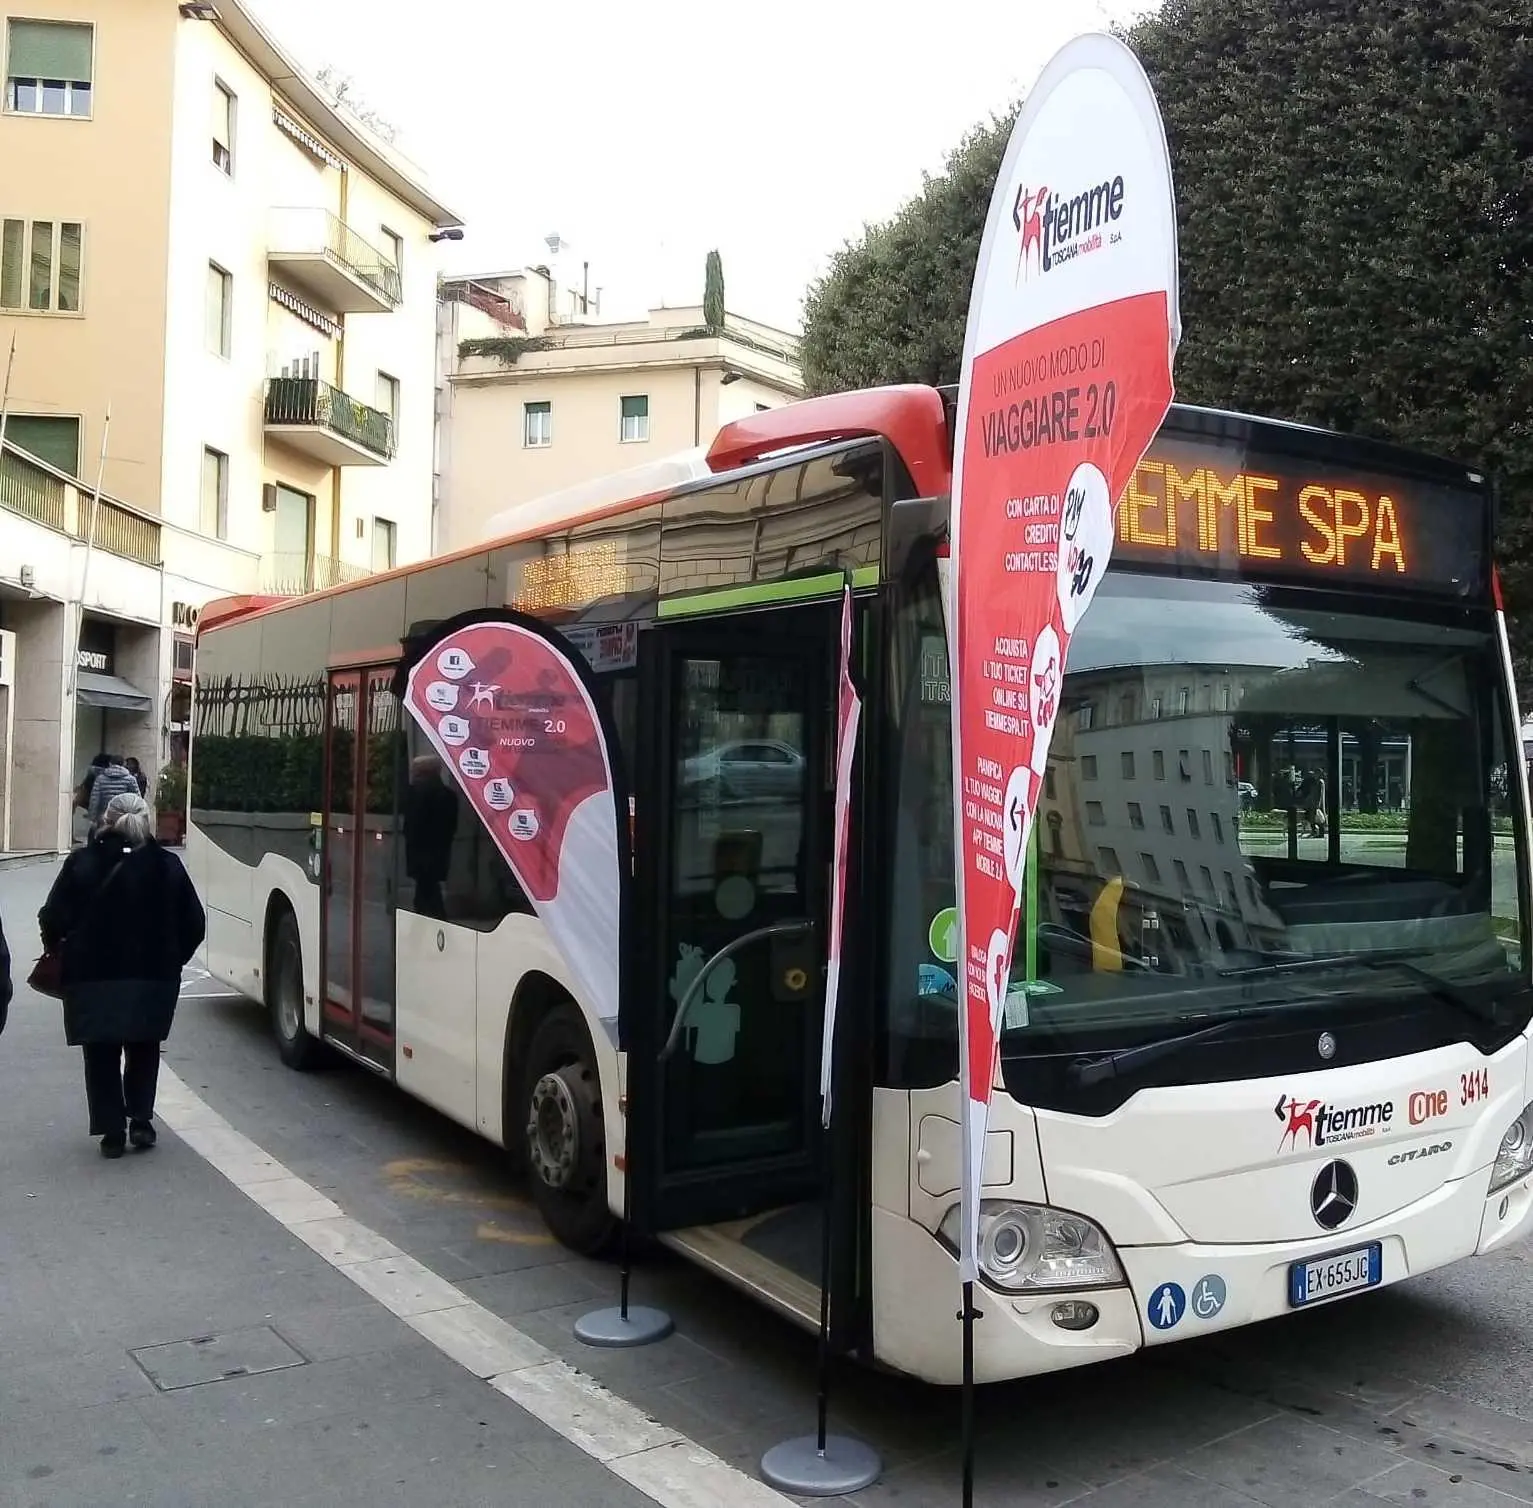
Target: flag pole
(968,1314)
(823,1465)
(5,394)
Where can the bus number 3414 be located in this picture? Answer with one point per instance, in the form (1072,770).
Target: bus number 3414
(1474,1086)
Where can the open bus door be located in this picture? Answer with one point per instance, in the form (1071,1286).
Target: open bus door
(359,864)
(735,812)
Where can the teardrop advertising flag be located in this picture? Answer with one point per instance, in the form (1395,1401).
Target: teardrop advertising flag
(848,715)
(513,721)
(1072,330)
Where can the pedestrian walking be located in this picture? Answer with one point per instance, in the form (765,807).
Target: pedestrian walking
(125,921)
(115,780)
(136,771)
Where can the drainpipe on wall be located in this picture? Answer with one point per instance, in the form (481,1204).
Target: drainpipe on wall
(340,382)
(697,405)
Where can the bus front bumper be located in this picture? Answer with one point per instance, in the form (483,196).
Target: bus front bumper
(1210,1287)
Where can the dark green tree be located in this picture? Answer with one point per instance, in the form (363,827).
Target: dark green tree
(1354,185)
(891,307)
(713,291)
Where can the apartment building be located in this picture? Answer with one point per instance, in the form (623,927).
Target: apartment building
(194,241)
(537,393)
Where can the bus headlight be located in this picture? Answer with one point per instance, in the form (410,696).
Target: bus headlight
(1030,1246)
(1514,1158)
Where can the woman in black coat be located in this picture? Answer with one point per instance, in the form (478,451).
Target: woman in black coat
(126,921)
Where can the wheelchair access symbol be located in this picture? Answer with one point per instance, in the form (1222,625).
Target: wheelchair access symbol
(1208,1295)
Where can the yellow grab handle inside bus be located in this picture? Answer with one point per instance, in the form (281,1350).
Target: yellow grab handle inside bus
(1106,950)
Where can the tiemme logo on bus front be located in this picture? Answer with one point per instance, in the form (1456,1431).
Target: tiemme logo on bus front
(1054,228)
(1314,1123)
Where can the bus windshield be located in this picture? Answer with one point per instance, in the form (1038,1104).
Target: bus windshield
(1256,797)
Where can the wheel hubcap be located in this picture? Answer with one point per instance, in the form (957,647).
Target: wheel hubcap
(553,1129)
(288,1014)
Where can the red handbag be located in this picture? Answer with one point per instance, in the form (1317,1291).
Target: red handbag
(47,976)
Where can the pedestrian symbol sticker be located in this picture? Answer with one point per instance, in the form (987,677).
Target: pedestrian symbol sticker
(1208,1296)
(942,936)
(1167,1305)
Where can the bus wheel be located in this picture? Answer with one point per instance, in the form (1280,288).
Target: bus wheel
(284,997)
(566,1140)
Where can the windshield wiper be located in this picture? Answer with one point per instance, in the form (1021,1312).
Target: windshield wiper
(1444,990)
(1116,1064)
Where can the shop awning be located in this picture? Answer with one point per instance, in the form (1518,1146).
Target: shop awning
(111,692)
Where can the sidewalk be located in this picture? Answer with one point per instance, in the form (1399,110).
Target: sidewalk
(165,1341)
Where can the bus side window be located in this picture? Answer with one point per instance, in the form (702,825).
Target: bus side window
(452,869)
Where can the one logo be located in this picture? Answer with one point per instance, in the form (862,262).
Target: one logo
(1053,228)
(1333,1195)
(1427,1104)
(1166,1307)
(1314,1123)
(1415,1154)
(1208,1295)
(1326,1046)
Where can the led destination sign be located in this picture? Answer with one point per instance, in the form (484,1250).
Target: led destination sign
(1213,507)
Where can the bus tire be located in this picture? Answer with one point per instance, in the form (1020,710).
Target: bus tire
(560,1105)
(284,997)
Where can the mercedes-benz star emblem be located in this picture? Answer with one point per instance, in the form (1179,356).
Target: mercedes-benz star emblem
(1326,1046)
(1333,1195)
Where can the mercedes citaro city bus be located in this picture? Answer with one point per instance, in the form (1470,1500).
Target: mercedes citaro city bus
(1267,1040)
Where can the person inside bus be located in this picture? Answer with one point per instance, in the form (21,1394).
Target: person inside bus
(431,824)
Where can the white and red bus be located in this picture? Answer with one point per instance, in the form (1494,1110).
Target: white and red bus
(1272,1045)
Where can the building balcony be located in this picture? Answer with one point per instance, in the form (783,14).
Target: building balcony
(331,263)
(38,492)
(290,574)
(327,425)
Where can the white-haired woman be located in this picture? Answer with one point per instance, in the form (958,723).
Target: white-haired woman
(126,921)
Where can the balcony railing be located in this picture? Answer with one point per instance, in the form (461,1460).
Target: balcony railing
(292,574)
(504,309)
(305,237)
(309,403)
(31,491)
(47,498)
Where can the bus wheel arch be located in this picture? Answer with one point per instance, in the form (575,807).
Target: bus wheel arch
(553,1118)
(284,985)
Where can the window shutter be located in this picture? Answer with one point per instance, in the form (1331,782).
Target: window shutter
(56,441)
(50,50)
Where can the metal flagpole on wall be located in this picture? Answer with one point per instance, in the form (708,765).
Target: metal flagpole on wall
(5,393)
(71,707)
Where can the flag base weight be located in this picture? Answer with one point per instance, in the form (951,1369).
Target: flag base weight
(613,1330)
(802,1468)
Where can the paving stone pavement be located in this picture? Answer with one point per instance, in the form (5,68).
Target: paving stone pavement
(1422,1394)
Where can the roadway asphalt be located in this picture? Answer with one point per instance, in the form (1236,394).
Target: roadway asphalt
(1421,1394)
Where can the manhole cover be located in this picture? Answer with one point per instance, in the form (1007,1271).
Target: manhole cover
(214,1358)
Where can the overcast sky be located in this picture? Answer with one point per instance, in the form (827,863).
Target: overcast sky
(644,135)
